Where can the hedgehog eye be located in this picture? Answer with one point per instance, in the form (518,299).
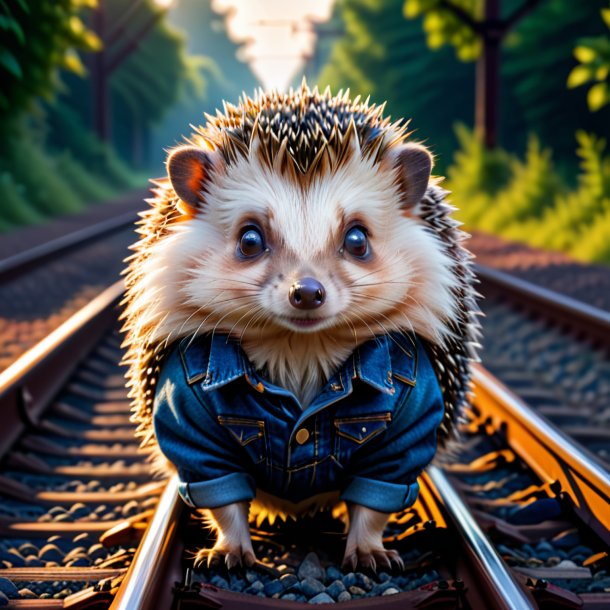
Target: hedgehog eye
(356,242)
(250,243)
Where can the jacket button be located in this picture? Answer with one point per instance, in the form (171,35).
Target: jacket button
(302,436)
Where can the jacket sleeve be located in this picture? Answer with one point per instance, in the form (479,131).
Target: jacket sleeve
(383,473)
(189,437)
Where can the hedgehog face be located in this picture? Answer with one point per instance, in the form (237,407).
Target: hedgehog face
(337,254)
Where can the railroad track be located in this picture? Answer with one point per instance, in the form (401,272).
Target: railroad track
(45,284)
(519,518)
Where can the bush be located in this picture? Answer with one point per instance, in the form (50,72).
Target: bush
(476,176)
(529,201)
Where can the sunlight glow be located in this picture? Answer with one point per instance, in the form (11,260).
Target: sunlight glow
(278,34)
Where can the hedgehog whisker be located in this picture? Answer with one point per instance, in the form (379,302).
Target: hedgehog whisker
(373,334)
(395,308)
(206,319)
(234,325)
(349,324)
(223,280)
(258,313)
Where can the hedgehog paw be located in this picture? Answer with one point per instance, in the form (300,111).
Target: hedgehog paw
(372,559)
(231,555)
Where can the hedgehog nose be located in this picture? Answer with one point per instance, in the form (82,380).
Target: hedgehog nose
(307,293)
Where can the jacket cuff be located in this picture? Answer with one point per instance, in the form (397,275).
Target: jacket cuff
(235,487)
(379,495)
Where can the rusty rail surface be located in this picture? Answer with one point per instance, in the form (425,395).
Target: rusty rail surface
(549,452)
(28,385)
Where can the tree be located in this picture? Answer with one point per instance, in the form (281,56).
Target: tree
(39,39)
(384,56)
(593,55)
(477,30)
(225,75)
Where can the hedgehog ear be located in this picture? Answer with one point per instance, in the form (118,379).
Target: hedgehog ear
(189,169)
(413,162)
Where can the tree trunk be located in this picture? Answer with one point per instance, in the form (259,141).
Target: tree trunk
(488,76)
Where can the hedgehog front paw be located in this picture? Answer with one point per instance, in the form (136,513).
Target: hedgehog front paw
(374,558)
(364,545)
(232,554)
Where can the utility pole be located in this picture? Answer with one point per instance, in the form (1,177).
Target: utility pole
(492,30)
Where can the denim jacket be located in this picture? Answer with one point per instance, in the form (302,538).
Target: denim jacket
(368,434)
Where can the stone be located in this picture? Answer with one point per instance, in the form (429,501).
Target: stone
(335,588)
(291,597)
(349,579)
(344,596)
(273,587)
(322,598)
(255,587)
(51,552)
(311,587)
(310,568)
(8,587)
(219,581)
(333,573)
(4,600)
(27,548)
(391,591)
(364,582)
(354,590)
(288,581)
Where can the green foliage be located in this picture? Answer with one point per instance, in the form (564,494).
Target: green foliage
(67,132)
(38,38)
(37,184)
(385,56)
(152,79)
(224,74)
(593,55)
(533,204)
(438,91)
(84,184)
(477,174)
(16,209)
(37,175)
(445,27)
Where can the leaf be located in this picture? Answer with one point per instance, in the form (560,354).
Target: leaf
(579,76)
(602,72)
(606,16)
(9,62)
(71,62)
(598,96)
(584,54)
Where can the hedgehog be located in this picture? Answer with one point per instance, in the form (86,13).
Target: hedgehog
(300,318)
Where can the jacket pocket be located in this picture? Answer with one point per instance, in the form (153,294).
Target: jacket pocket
(353,432)
(249,433)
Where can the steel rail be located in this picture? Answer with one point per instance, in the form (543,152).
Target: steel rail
(29,384)
(17,264)
(138,589)
(503,591)
(587,319)
(554,456)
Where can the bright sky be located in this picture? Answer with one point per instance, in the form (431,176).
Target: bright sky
(278,32)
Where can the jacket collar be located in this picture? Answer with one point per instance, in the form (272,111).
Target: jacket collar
(216,360)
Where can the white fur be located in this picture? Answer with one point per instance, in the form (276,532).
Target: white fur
(192,283)
(233,540)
